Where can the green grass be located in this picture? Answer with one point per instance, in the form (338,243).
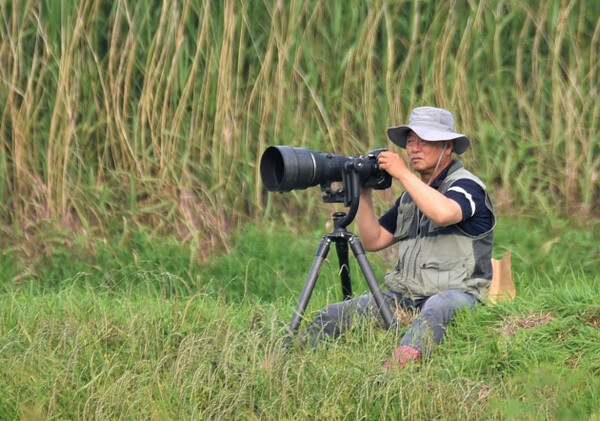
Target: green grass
(128,329)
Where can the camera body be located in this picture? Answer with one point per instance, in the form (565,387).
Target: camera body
(371,176)
(285,168)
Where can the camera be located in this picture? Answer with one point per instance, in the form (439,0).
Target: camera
(284,168)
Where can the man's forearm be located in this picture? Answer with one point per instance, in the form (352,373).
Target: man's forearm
(432,203)
(372,235)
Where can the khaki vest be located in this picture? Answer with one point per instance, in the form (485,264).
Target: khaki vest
(433,258)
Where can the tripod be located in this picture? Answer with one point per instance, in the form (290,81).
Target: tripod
(350,194)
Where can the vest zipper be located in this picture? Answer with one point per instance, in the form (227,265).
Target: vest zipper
(417,247)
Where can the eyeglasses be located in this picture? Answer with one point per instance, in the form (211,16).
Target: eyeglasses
(414,141)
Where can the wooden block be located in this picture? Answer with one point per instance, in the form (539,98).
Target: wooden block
(502,287)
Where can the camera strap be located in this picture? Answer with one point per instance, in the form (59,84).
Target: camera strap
(438,162)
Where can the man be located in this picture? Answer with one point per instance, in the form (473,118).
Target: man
(443,223)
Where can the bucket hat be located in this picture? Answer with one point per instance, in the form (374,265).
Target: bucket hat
(431,124)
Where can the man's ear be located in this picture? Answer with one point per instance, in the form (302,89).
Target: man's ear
(450,147)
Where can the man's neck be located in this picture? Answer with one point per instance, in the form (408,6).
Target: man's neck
(428,177)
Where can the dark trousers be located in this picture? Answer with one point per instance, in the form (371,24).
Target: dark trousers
(425,332)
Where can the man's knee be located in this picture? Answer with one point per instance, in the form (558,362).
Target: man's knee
(443,304)
(331,313)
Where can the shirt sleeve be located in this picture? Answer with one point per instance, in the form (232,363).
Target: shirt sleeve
(470,196)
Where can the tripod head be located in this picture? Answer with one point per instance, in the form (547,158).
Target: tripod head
(348,194)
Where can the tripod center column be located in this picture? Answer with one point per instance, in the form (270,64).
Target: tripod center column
(337,218)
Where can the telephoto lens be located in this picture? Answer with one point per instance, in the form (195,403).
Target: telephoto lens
(285,168)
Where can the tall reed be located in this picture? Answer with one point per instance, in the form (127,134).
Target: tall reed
(157,114)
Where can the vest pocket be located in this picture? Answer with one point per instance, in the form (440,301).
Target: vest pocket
(432,277)
(438,276)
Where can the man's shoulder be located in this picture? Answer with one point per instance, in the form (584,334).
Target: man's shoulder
(461,173)
(467,185)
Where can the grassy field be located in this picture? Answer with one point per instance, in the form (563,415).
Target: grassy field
(133,330)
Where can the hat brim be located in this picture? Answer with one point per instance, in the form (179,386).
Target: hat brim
(399,134)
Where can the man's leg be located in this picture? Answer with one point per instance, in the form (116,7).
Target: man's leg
(436,312)
(337,317)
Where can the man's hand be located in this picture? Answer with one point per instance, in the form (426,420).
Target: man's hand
(392,163)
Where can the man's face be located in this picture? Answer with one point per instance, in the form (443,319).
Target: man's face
(422,155)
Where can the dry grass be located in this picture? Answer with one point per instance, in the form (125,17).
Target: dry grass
(514,324)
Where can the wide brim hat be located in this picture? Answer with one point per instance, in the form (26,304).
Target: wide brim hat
(430,124)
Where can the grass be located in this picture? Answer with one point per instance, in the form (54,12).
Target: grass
(146,274)
(130,330)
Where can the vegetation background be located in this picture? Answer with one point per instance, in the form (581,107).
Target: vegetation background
(147,274)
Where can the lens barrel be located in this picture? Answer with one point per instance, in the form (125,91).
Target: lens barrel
(285,168)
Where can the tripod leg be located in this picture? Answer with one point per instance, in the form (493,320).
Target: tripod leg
(309,285)
(342,252)
(359,253)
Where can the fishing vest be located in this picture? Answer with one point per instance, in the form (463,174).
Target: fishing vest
(432,258)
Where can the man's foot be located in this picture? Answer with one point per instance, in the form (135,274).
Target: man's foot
(402,356)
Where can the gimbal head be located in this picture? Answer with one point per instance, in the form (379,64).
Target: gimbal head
(348,194)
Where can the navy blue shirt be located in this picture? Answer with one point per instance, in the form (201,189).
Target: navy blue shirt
(477,218)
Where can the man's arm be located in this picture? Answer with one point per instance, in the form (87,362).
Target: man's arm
(437,207)
(372,235)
